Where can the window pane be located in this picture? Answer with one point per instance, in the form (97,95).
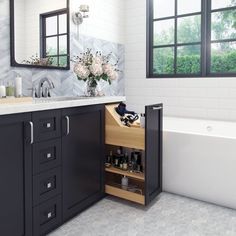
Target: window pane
(188,59)
(223,57)
(63,61)
(63,44)
(216,4)
(189,29)
(54,61)
(51,46)
(51,25)
(164,32)
(63,24)
(163,60)
(223,25)
(187,6)
(163,8)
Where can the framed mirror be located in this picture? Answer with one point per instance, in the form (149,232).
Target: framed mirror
(40,34)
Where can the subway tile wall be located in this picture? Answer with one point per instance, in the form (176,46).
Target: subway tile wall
(207,98)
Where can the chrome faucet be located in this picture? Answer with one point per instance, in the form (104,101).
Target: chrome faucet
(46,92)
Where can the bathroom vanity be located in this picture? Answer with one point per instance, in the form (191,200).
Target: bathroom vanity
(52,163)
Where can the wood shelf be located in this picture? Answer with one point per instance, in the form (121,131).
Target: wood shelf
(138,176)
(121,193)
(120,135)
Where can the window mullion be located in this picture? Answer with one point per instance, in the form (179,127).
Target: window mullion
(204,31)
(176,38)
(208,36)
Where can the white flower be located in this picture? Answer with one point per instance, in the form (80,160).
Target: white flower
(108,68)
(97,60)
(82,71)
(113,75)
(110,71)
(96,69)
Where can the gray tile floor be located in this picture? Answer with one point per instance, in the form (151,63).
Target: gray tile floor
(170,215)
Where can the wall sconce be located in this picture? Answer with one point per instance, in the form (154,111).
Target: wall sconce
(79,16)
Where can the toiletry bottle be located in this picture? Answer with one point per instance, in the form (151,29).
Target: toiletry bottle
(18,86)
(118,158)
(142,120)
(125,162)
(2,91)
(10,90)
(139,161)
(109,158)
(124,183)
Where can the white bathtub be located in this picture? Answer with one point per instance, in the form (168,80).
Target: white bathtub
(199,160)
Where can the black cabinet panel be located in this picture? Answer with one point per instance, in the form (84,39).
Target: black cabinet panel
(15,176)
(46,155)
(47,216)
(47,185)
(82,155)
(153,173)
(47,125)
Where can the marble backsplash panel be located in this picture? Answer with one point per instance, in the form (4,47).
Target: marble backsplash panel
(66,83)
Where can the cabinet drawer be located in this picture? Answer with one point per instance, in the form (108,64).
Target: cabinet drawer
(46,155)
(47,125)
(46,186)
(47,216)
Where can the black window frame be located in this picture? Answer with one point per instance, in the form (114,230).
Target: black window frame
(43,36)
(205,43)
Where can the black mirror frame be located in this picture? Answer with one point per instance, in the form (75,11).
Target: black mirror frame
(12,42)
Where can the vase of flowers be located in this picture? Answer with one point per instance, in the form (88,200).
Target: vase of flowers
(91,68)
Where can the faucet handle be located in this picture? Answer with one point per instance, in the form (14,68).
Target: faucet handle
(45,92)
(34,92)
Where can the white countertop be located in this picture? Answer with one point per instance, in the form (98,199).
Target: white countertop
(7,109)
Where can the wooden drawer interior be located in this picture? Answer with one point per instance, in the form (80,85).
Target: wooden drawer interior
(118,134)
(134,192)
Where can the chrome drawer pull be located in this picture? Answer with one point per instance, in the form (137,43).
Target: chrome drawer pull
(49,185)
(157,108)
(67,125)
(48,125)
(49,215)
(49,155)
(31,132)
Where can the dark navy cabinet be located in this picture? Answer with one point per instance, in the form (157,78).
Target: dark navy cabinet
(82,155)
(15,175)
(52,166)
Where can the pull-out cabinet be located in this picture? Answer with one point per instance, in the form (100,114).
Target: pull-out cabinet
(147,140)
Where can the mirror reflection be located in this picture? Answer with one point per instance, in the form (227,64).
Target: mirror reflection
(41,36)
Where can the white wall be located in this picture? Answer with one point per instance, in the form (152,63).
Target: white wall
(106,19)
(27,20)
(20,30)
(213,98)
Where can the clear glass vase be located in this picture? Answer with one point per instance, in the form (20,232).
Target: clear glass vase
(91,88)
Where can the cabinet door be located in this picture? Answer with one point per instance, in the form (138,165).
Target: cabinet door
(153,144)
(82,156)
(15,176)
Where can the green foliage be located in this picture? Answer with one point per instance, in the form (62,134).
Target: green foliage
(190,64)
(189,29)
(223,55)
(225,62)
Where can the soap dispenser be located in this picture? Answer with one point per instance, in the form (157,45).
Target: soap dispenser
(18,86)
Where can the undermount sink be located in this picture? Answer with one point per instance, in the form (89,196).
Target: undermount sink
(58,99)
